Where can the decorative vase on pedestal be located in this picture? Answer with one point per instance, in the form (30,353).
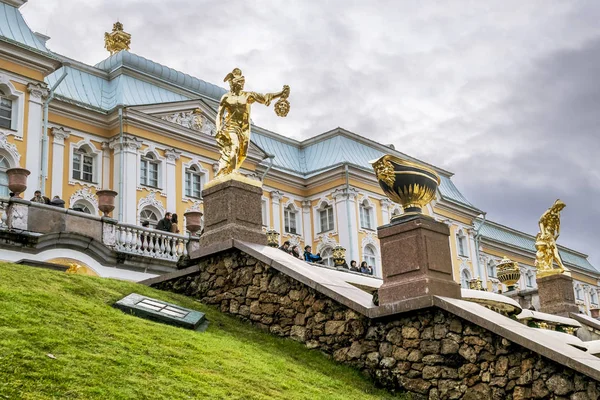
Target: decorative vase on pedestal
(509,273)
(17,180)
(106,201)
(193,221)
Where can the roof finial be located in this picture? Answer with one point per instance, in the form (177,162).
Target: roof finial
(117,40)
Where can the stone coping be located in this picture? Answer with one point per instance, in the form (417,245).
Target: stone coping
(563,337)
(586,320)
(554,319)
(593,347)
(481,296)
(334,285)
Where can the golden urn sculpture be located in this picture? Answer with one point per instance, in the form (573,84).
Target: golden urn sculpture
(272,238)
(407,183)
(509,273)
(339,256)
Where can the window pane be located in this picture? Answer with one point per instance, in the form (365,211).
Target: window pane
(5,123)
(323,217)
(5,103)
(4,113)
(330,218)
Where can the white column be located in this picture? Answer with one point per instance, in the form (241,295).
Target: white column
(385,210)
(345,208)
(275,200)
(106,166)
(473,253)
(306,222)
(172,155)
(58,159)
(127,172)
(33,162)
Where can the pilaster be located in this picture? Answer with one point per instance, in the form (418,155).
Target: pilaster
(172,155)
(276,201)
(106,166)
(345,209)
(58,159)
(33,163)
(306,222)
(385,210)
(125,176)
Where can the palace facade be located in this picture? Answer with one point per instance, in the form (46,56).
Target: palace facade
(147,131)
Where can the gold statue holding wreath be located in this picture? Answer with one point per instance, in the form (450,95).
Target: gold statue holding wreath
(545,242)
(233,121)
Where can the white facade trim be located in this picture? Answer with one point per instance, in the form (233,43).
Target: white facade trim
(86,196)
(195,161)
(97,166)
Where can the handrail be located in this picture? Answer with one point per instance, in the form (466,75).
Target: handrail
(149,242)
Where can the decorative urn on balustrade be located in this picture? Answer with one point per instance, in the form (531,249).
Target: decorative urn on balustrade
(272,238)
(509,273)
(106,200)
(339,256)
(407,183)
(193,221)
(17,180)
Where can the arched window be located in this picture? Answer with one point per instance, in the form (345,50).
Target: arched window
(578,293)
(147,214)
(149,170)
(4,165)
(366,215)
(325,217)
(193,182)
(369,255)
(82,207)
(290,219)
(529,279)
(461,242)
(6,111)
(465,277)
(83,164)
(593,297)
(327,256)
(491,268)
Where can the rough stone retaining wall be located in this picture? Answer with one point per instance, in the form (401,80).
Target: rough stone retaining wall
(430,353)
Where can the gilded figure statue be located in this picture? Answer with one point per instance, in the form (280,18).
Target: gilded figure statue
(545,242)
(233,120)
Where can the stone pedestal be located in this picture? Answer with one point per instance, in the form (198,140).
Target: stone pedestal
(556,295)
(416,260)
(232,210)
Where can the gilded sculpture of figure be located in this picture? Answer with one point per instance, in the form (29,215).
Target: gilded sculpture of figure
(233,120)
(545,242)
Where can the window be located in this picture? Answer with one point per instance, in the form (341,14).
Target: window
(578,293)
(461,242)
(6,111)
(4,165)
(149,215)
(491,267)
(326,217)
(529,279)
(289,216)
(265,210)
(594,297)
(327,256)
(369,256)
(82,207)
(366,215)
(83,164)
(193,182)
(465,277)
(149,170)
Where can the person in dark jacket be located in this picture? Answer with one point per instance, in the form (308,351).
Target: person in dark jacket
(285,247)
(38,198)
(165,224)
(310,257)
(58,202)
(364,269)
(296,252)
(353,266)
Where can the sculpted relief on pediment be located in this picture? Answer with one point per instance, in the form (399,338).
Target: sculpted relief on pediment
(193,120)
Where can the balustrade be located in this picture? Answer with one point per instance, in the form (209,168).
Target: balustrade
(150,243)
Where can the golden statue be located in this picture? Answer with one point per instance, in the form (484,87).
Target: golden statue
(545,242)
(233,121)
(117,40)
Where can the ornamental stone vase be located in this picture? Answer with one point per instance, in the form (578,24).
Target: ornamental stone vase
(106,201)
(17,180)
(193,221)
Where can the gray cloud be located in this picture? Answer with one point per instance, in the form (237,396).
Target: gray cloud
(502,93)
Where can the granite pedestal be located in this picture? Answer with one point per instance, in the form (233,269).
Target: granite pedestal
(556,295)
(232,210)
(416,259)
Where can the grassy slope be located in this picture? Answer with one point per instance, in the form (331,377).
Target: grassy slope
(102,353)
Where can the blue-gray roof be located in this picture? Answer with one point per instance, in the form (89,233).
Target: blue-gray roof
(14,29)
(521,240)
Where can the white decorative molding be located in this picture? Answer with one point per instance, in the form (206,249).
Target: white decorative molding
(193,120)
(343,194)
(37,91)
(151,201)
(130,143)
(215,168)
(317,218)
(172,155)
(196,206)
(162,171)
(298,216)
(325,241)
(85,195)
(385,203)
(276,196)
(7,86)
(97,168)
(60,134)
(11,149)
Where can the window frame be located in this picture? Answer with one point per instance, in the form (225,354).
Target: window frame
(3,169)
(372,257)
(329,218)
(192,172)
(152,222)
(4,97)
(461,244)
(81,153)
(146,161)
(366,214)
(491,266)
(327,256)
(290,220)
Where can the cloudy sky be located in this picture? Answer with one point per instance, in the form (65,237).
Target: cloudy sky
(503,93)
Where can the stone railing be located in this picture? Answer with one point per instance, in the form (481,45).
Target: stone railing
(3,214)
(150,243)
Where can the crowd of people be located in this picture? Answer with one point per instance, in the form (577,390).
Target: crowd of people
(38,198)
(308,256)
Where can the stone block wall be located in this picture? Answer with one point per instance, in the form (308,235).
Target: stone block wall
(430,353)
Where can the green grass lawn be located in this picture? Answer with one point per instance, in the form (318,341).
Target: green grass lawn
(103,353)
